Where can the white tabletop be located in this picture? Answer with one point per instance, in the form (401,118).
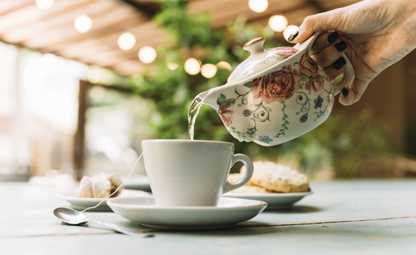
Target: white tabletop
(366,217)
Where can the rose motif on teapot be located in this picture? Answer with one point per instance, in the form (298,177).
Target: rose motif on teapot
(296,96)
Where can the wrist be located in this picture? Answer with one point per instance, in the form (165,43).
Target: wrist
(408,24)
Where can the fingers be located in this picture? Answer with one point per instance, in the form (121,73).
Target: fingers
(324,21)
(336,69)
(324,40)
(353,93)
(330,54)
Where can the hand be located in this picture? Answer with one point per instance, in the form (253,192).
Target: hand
(373,33)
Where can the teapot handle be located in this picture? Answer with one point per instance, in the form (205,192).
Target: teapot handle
(349,74)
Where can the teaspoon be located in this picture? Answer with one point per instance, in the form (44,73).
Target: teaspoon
(76,218)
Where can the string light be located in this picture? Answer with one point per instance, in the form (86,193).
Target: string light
(258,5)
(208,70)
(289,31)
(192,66)
(172,66)
(278,23)
(83,23)
(126,41)
(224,65)
(147,54)
(44,4)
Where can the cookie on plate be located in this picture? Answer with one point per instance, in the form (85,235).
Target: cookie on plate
(278,178)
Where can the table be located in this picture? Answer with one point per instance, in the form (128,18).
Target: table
(342,217)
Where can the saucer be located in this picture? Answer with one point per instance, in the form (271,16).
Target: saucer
(228,212)
(80,203)
(274,200)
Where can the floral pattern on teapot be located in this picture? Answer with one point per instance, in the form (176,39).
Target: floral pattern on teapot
(252,110)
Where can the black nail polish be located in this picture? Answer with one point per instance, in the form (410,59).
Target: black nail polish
(333,37)
(293,36)
(344,92)
(341,46)
(339,63)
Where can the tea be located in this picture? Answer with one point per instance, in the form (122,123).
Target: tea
(193,112)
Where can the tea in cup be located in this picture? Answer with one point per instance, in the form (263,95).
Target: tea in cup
(191,172)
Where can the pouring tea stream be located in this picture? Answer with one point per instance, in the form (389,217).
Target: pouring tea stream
(273,96)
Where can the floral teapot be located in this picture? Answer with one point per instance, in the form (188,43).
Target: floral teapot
(276,94)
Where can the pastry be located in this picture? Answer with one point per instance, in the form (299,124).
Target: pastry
(246,189)
(99,186)
(278,178)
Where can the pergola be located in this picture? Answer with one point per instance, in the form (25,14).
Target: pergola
(51,30)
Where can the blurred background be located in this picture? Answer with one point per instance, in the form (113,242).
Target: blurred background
(84,81)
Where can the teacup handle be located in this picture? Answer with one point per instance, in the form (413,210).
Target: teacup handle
(228,186)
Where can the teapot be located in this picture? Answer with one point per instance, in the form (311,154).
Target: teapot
(276,94)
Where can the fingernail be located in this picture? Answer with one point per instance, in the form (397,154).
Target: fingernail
(293,36)
(333,37)
(345,92)
(341,46)
(339,63)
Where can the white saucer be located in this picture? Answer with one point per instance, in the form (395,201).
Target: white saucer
(143,211)
(80,203)
(274,200)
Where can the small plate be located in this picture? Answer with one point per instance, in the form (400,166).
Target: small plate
(80,203)
(228,212)
(137,183)
(274,200)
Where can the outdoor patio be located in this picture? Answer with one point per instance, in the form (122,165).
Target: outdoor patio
(84,82)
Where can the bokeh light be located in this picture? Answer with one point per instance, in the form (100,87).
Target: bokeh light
(83,23)
(208,70)
(192,66)
(278,23)
(147,54)
(258,5)
(224,65)
(126,41)
(44,4)
(172,66)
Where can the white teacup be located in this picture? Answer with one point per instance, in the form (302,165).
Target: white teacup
(191,172)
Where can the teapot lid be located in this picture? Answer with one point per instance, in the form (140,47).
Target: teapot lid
(260,59)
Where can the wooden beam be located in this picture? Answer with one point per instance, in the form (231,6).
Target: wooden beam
(129,67)
(65,22)
(23,20)
(120,20)
(150,34)
(222,12)
(146,34)
(8,6)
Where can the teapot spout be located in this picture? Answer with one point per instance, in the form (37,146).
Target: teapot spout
(208,97)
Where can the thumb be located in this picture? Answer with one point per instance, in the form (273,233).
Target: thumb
(324,21)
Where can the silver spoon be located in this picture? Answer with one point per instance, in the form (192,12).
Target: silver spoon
(76,218)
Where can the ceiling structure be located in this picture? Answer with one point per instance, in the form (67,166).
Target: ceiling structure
(51,30)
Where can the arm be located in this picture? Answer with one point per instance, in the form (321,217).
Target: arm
(373,33)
